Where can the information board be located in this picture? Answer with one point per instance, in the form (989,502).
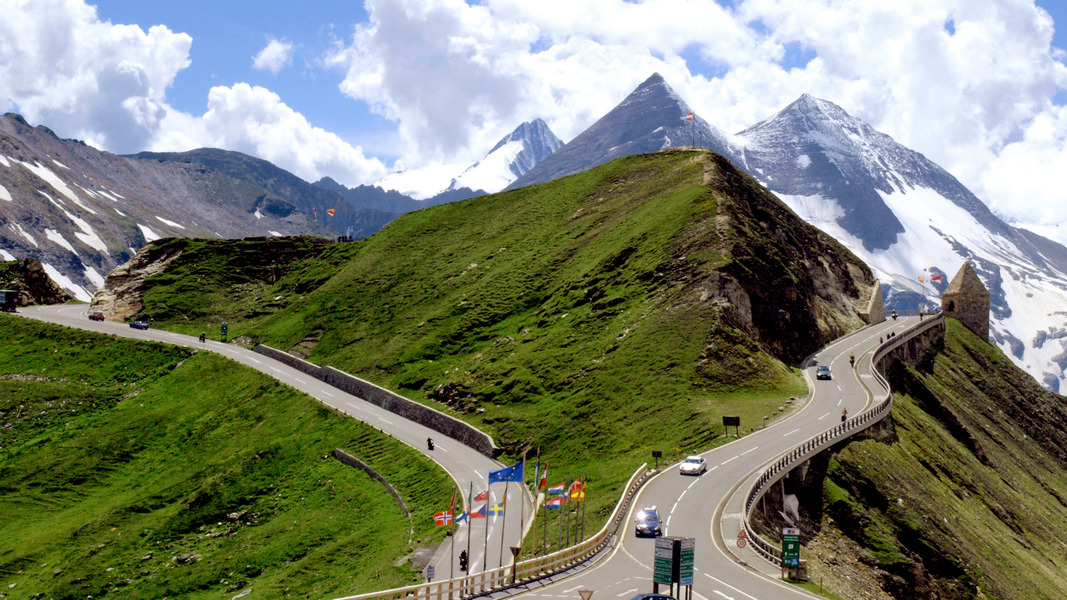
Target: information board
(790,547)
(663,561)
(687,547)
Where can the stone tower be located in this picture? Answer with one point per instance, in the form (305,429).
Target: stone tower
(967,300)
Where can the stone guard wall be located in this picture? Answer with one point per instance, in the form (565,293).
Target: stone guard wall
(395,403)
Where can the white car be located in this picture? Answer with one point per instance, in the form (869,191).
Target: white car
(693,465)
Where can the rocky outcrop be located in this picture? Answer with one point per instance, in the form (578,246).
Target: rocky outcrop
(123,291)
(34,285)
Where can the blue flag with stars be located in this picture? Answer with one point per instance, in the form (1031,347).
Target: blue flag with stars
(512,473)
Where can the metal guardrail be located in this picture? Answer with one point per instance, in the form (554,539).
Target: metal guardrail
(524,571)
(813,446)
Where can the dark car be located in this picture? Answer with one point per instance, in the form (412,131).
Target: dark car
(96,316)
(652,597)
(823,372)
(647,523)
(139,324)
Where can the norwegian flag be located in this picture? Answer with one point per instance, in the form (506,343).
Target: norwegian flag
(443,518)
(482,496)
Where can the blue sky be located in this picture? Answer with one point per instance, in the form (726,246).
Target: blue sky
(366,88)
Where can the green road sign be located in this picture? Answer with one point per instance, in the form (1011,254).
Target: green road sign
(663,561)
(687,548)
(790,547)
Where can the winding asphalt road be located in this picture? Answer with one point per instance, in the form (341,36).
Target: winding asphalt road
(464,464)
(709,507)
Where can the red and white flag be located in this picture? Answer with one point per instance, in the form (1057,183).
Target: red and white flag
(689,117)
(482,496)
(443,518)
(542,483)
(935,278)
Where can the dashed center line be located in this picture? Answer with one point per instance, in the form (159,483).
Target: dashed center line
(300,381)
(328,394)
(254,360)
(383,419)
(791,432)
(752,449)
(626,593)
(729,460)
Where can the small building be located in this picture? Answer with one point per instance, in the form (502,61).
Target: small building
(967,300)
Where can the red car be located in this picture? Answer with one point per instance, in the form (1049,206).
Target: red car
(96,316)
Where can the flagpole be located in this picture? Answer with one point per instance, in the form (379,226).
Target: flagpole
(452,542)
(470,521)
(504,521)
(485,546)
(582,498)
(537,475)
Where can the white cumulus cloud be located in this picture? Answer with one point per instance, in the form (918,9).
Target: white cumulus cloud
(274,57)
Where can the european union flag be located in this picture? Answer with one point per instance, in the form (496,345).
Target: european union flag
(512,473)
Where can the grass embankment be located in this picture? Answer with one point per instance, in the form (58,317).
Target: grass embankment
(969,502)
(135,470)
(597,317)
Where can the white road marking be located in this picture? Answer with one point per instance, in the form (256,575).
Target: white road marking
(752,449)
(573,589)
(724,595)
(626,593)
(730,586)
(730,460)
(254,360)
(300,381)
(328,394)
(839,402)
(824,416)
(383,419)
(791,432)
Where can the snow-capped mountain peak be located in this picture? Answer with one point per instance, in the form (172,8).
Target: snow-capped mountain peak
(911,220)
(511,157)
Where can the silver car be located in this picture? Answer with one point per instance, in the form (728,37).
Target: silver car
(693,465)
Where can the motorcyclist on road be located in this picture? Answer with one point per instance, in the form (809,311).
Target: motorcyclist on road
(844,415)
(429,443)
(852,359)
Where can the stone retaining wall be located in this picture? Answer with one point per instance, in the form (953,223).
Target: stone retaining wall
(409,409)
(352,461)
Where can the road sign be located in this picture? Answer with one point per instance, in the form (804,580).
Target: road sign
(429,573)
(585,594)
(790,547)
(687,547)
(663,561)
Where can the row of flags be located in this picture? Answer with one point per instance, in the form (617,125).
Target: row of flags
(329,211)
(556,496)
(932,279)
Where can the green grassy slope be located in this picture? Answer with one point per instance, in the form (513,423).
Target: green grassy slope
(597,317)
(133,470)
(970,500)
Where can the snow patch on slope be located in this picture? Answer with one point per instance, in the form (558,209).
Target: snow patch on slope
(87,235)
(58,238)
(4,254)
(149,235)
(95,278)
(65,282)
(19,230)
(58,184)
(169,222)
(4,194)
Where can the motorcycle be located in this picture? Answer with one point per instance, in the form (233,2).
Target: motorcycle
(429,443)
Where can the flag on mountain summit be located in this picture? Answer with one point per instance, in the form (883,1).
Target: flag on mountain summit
(330,211)
(557,489)
(482,496)
(512,473)
(921,280)
(443,518)
(935,278)
(689,117)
